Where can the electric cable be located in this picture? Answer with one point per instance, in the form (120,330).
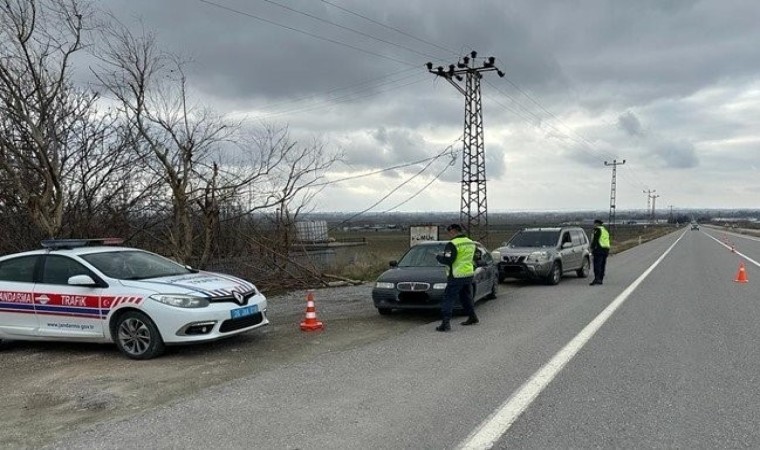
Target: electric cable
(361,33)
(315,36)
(391,28)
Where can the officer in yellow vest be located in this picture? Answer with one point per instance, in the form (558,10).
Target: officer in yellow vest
(600,248)
(459,256)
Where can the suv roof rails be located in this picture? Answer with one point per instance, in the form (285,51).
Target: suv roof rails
(55,244)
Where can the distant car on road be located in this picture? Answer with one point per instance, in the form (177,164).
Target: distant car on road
(694,226)
(544,254)
(417,280)
(88,291)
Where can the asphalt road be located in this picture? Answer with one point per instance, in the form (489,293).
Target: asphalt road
(657,357)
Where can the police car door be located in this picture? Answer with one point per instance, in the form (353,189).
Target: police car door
(65,310)
(16,300)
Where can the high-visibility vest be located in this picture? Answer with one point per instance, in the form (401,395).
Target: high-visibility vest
(604,238)
(464,265)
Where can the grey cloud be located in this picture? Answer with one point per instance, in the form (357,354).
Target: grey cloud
(676,154)
(630,124)
(656,82)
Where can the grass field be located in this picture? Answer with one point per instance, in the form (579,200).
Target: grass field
(368,261)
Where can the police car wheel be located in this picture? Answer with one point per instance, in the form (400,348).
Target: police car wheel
(137,336)
(384,311)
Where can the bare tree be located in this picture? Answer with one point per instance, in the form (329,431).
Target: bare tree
(47,124)
(203,161)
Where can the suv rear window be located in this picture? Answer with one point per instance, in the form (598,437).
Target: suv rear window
(534,239)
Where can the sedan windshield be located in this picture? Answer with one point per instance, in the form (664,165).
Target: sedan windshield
(134,265)
(422,256)
(534,239)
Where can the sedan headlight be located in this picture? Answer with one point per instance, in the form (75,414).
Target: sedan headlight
(384,285)
(537,257)
(439,286)
(181,301)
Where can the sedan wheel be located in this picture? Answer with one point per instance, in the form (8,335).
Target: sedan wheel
(494,291)
(137,336)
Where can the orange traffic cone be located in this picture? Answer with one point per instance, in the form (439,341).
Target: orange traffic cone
(310,323)
(741,277)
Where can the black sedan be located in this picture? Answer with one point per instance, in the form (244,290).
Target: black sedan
(418,280)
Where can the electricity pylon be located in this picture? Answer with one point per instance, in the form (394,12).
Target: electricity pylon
(474,206)
(649,193)
(611,219)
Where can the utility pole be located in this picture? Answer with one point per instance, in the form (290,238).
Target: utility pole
(670,216)
(649,193)
(473,207)
(611,219)
(654,201)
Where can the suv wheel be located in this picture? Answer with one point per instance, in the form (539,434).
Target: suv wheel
(384,311)
(584,270)
(555,274)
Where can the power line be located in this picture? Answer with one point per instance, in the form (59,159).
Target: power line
(391,28)
(333,41)
(400,166)
(366,84)
(422,189)
(392,191)
(361,33)
(341,99)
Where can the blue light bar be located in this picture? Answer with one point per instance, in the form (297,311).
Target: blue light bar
(74,243)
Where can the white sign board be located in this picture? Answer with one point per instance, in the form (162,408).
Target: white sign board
(420,233)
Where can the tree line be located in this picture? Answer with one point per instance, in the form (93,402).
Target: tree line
(132,152)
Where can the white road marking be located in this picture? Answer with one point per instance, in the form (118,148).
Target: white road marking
(735,251)
(486,435)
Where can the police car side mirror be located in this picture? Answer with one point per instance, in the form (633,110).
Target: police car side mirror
(567,245)
(82,280)
(393,263)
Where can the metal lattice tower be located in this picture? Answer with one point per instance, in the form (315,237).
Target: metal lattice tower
(473,206)
(611,219)
(654,201)
(649,193)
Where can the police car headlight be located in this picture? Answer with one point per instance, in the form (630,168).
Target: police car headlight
(537,257)
(384,285)
(181,301)
(439,286)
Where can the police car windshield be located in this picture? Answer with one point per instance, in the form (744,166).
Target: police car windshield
(534,239)
(134,265)
(422,256)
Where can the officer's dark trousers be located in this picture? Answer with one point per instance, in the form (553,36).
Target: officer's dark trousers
(461,289)
(600,264)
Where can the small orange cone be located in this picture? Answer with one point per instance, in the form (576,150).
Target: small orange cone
(310,323)
(741,277)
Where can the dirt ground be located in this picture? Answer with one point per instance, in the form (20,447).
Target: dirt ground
(65,386)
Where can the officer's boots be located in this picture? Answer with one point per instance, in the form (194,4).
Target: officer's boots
(472,320)
(444,326)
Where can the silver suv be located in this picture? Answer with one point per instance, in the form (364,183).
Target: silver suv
(545,254)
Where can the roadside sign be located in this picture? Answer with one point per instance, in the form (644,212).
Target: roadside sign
(420,233)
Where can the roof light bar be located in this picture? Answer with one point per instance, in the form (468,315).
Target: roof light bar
(74,243)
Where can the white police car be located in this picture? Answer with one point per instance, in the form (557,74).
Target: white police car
(92,290)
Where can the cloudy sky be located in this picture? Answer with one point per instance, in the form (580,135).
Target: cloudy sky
(670,86)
